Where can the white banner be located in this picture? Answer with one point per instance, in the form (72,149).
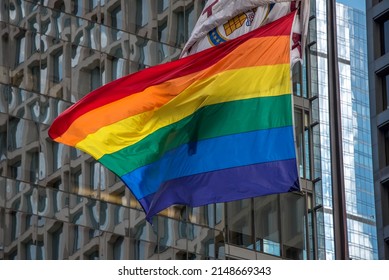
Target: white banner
(198,270)
(222,20)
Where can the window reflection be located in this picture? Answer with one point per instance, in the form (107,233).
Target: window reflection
(185,25)
(146,52)
(303,142)
(12,11)
(43,83)
(117,68)
(163,33)
(94,255)
(58,67)
(119,248)
(16,170)
(95,171)
(3,142)
(141,250)
(30,250)
(114,218)
(22,133)
(201,241)
(117,17)
(34,40)
(33,157)
(76,239)
(385,92)
(95,79)
(297,80)
(239,219)
(58,203)
(84,211)
(4,97)
(267,228)
(162,5)
(292,221)
(204,215)
(77,183)
(142,13)
(15,225)
(3,183)
(78,7)
(90,74)
(53,204)
(171,233)
(385,37)
(57,241)
(57,153)
(17,101)
(181,35)
(20,51)
(386,134)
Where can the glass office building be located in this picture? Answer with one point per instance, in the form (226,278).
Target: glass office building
(378,45)
(59,203)
(355,121)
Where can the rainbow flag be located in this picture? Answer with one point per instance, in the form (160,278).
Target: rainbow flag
(212,127)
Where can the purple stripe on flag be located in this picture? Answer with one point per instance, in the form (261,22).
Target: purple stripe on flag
(224,185)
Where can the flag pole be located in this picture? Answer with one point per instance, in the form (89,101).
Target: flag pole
(338,186)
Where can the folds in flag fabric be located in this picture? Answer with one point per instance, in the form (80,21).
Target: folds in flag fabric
(223,20)
(212,127)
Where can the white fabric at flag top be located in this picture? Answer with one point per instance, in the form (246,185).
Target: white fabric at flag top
(222,20)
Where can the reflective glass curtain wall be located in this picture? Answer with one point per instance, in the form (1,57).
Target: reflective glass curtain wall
(356,143)
(378,46)
(57,202)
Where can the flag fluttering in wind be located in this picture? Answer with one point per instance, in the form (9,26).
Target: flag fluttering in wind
(223,20)
(212,127)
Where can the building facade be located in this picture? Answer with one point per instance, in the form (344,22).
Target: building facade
(58,203)
(355,130)
(378,46)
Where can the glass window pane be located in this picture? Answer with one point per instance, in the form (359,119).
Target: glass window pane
(296,76)
(23,104)
(142,250)
(57,242)
(83,211)
(267,224)
(298,118)
(204,215)
(163,5)
(4,96)
(386,133)
(292,221)
(239,219)
(33,158)
(307,146)
(385,37)
(2,228)
(50,108)
(119,248)
(53,204)
(21,197)
(117,17)
(3,144)
(30,250)
(142,13)
(385,91)
(201,241)
(114,218)
(89,73)
(3,184)
(171,234)
(21,49)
